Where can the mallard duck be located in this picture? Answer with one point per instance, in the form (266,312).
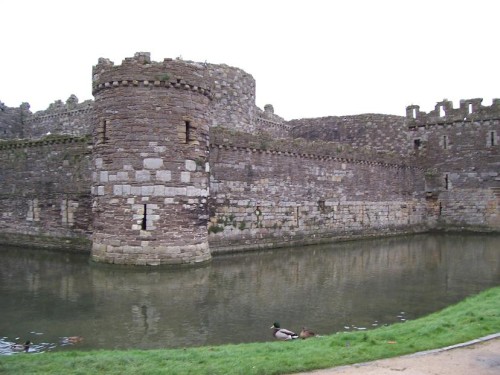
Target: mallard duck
(282,333)
(305,333)
(21,347)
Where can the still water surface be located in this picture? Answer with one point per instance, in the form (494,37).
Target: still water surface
(47,296)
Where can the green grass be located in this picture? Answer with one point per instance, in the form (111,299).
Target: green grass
(474,317)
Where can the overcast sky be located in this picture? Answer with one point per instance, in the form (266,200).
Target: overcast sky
(309,58)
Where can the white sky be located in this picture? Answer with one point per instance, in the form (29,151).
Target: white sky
(309,58)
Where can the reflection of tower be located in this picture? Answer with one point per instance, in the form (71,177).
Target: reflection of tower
(145,319)
(150,183)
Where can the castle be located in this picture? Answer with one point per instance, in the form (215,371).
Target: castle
(173,162)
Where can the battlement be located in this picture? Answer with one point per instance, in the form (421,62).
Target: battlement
(141,71)
(444,113)
(231,90)
(63,118)
(71,107)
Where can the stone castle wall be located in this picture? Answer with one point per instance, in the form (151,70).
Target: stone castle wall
(45,193)
(233,92)
(385,133)
(180,154)
(458,148)
(264,197)
(70,118)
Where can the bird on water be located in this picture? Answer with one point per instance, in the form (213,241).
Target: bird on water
(21,347)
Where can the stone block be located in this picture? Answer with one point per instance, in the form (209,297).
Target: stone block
(159,190)
(153,163)
(103,176)
(147,190)
(122,176)
(142,176)
(117,189)
(191,191)
(163,175)
(190,165)
(173,191)
(185,177)
(136,190)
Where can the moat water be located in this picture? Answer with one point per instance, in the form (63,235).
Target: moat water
(49,296)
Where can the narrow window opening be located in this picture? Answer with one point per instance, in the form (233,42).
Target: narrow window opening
(445,142)
(321,205)
(441,111)
(65,209)
(446,182)
(102,137)
(469,108)
(144,218)
(492,138)
(187,125)
(414,113)
(440,208)
(416,144)
(297,213)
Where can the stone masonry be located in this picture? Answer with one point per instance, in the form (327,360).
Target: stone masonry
(173,162)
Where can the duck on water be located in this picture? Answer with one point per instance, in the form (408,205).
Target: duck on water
(21,347)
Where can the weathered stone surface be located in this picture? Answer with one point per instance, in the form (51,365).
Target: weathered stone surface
(182,158)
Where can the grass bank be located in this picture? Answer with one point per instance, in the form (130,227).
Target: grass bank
(474,317)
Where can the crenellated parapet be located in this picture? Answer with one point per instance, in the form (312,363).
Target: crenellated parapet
(470,110)
(140,71)
(231,90)
(65,118)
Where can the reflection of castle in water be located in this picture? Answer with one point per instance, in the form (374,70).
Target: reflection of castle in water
(323,286)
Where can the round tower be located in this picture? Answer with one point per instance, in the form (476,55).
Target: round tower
(150,182)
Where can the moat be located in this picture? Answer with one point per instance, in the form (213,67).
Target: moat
(47,296)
